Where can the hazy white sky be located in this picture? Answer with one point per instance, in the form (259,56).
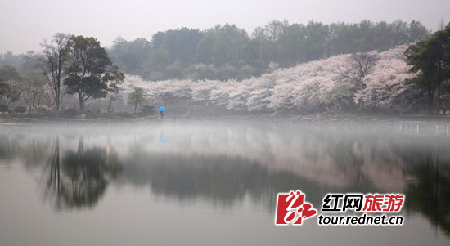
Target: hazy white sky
(24,24)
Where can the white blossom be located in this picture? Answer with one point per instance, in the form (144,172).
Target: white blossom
(303,87)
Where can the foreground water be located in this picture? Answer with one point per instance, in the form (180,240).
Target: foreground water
(216,183)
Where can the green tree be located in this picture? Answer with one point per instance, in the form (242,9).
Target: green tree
(36,92)
(399,32)
(10,83)
(365,38)
(381,38)
(9,58)
(184,53)
(130,56)
(181,43)
(9,72)
(90,73)
(342,39)
(136,97)
(274,30)
(30,60)
(229,42)
(204,47)
(417,32)
(158,61)
(290,46)
(430,61)
(315,43)
(259,39)
(12,90)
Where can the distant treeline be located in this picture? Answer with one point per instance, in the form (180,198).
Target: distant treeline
(228,52)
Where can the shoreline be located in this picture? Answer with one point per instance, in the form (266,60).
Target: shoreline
(13,119)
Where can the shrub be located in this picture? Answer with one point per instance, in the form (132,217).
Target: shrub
(20,110)
(148,110)
(70,113)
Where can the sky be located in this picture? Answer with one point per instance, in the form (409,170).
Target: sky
(24,24)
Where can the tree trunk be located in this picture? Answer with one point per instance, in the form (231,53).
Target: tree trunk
(58,80)
(58,99)
(81,101)
(430,99)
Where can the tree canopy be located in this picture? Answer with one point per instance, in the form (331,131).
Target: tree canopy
(90,72)
(136,97)
(430,61)
(10,86)
(81,66)
(228,52)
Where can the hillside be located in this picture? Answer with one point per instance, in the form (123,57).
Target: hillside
(309,87)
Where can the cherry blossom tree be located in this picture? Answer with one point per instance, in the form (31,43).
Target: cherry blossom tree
(305,88)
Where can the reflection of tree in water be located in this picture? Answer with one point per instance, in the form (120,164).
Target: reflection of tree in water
(352,155)
(429,190)
(6,147)
(79,178)
(345,159)
(224,180)
(370,162)
(11,147)
(18,146)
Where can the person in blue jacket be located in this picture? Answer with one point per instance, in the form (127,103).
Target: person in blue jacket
(161,111)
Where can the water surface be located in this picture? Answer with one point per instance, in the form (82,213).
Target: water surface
(215,183)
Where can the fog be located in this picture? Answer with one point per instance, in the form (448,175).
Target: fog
(260,98)
(222,171)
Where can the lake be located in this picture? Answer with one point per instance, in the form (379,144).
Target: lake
(216,182)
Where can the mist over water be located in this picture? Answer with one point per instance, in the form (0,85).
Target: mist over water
(215,183)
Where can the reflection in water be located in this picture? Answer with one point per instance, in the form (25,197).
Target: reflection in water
(14,145)
(162,139)
(318,160)
(6,147)
(429,190)
(220,179)
(81,177)
(228,164)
